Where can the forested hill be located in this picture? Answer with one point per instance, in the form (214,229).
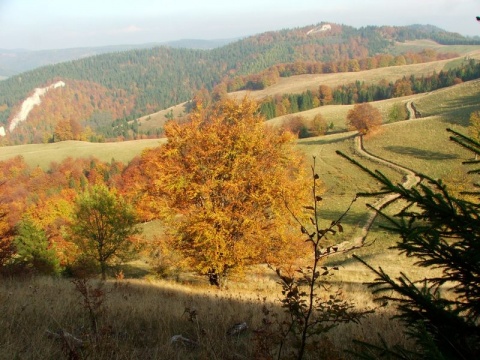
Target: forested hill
(124,85)
(15,61)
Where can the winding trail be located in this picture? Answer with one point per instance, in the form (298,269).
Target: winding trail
(410,110)
(409,180)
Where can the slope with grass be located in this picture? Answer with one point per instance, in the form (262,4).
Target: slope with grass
(43,155)
(300,83)
(419,45)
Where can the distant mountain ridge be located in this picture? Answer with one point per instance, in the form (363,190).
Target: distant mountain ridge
(16,61)
(106,91)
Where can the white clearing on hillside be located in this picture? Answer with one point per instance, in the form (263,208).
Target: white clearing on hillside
(29,103)
(322,28)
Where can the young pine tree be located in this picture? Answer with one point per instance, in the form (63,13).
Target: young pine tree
(441,231)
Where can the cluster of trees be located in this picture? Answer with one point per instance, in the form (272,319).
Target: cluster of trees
(304,128)
(363,118)
(359,92)
(219,185)
(39,208)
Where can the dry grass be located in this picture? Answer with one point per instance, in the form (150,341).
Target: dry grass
(138,319)
(158,119)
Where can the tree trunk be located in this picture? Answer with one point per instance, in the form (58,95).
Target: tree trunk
(103,267)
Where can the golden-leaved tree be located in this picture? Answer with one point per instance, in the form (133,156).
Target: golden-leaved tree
(220,184)
(364,118)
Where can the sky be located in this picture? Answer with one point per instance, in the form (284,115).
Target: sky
(59,24)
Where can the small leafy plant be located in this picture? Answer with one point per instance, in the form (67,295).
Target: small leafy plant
(311,307)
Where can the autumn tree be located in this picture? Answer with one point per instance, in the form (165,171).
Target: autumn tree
(220,183)
(364,118)
(402,87)
(325,94)
(6,238)
(297,125)
(104,226)
(63,131)
(318,126)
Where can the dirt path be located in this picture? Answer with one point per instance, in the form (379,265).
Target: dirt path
(410,110)
(410,179)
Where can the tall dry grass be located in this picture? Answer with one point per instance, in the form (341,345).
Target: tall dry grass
(137,319)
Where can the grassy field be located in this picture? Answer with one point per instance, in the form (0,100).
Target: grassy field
(158,119)
(137,319)
(300,83)
(419,45)
(43,155)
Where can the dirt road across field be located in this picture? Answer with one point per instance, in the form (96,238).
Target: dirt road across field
(409,180)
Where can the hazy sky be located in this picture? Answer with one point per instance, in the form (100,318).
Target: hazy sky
(55,24)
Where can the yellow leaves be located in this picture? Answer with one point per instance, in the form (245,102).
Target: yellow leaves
(48,211)
(227,175)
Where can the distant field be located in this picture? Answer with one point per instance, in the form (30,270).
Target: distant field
(419,45)
(450,106)
(454,105)
(43,154)
(158,119)
(300,83)
(336,114)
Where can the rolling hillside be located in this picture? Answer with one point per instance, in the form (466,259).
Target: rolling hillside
(153,79)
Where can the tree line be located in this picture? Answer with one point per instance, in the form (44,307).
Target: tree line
(359,91)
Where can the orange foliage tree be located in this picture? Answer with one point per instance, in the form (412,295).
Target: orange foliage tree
(46,199)
(220,184)
(325,94)
(364,118)
(6,238)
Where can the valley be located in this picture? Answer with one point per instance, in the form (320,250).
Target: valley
(125,99)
